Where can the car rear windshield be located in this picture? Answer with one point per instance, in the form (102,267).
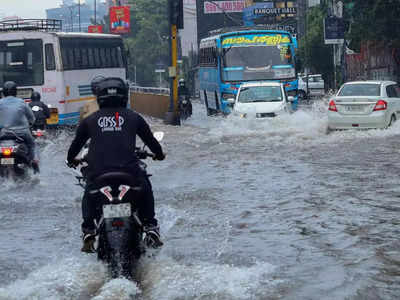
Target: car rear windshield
(361,89)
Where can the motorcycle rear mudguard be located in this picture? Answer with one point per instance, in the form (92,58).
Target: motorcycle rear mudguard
(120,246)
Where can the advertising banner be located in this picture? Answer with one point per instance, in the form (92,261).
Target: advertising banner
(95,29)
(120,19)
(223,7)
(333,30)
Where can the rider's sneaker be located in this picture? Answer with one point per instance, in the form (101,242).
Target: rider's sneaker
(152,238)
(88,242)
(35,166)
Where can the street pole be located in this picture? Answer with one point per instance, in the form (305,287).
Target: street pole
(172,116)
(95,23)
(79,12)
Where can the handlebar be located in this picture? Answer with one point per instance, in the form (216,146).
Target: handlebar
(140,153)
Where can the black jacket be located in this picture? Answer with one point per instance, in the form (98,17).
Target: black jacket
(42,114)
(112,133)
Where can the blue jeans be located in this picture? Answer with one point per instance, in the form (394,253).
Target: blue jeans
(26,135)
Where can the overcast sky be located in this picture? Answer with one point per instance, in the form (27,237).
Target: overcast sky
(32,9)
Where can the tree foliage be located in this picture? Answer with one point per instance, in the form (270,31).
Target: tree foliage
(374,20)
(313,53)
(148,42)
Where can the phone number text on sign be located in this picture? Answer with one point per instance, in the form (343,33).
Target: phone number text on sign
(217,7)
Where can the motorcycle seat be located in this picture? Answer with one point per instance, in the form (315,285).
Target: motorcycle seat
(11,136)
(116,178)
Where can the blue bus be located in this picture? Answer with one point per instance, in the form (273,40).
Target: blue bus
(230,58)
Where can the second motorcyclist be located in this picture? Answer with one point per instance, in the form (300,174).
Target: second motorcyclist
(183,94)
(40,110)
(112,132)
(16,118)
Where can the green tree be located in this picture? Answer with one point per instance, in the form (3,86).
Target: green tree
(313,53)
(373,20)
(148,42)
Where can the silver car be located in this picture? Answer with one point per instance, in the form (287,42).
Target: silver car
(364,105)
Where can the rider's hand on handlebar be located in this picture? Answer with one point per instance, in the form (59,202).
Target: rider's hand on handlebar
(159,156)
(73,164)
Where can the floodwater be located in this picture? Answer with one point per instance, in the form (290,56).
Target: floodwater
(249,209)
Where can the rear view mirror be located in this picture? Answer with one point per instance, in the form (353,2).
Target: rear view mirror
(230,101)
(158,135)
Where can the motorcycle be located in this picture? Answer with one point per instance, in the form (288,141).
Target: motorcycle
(14,158)
(120,237)
(185,107)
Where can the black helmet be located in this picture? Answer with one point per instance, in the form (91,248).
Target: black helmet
(112,92)
(95,81)
(35,96)
(10,89)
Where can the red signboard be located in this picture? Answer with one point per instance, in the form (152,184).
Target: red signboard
(120,19)
(95,29)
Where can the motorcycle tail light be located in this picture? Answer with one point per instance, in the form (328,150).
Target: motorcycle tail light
(106,191)
(7,151)
(117,223)
(123,190)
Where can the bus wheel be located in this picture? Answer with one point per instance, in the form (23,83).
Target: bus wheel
(206,104)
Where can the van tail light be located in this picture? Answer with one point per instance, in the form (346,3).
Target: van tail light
(332,106)
(380,105)
(7,151)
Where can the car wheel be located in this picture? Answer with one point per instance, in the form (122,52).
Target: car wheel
(328,130)
(392,120)
(302,95)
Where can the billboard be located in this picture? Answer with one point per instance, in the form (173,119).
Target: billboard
(333,30)
(95,29)
(217,14)
(120,19)
(278,14)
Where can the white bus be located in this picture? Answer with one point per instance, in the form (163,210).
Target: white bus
(59,65)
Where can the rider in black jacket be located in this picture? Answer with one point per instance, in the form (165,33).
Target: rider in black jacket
(40,110)
(112,132)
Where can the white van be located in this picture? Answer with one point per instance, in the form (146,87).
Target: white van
(261,100)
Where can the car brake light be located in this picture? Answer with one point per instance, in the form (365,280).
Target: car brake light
(6,151)
(380,105)
(332,106)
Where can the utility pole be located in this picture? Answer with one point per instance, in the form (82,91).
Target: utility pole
(79,14)
(95,7)
(175,12)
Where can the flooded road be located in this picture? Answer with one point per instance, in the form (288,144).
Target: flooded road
(249,209)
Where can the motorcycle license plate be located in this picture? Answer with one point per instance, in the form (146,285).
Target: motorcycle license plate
(7,161)
(117,210)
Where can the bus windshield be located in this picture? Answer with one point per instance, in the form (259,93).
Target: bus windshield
(21,61)
(257,57)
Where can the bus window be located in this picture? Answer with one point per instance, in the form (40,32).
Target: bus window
(78,58)
(84,54)
(64,56)
(91,58)
(108,57)
(97,60)
(50,59)
(70,59)
(120,57)
(22,62)
(113,57)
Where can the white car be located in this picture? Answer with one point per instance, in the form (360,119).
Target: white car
(316,86)
(261,100)
(364,105)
